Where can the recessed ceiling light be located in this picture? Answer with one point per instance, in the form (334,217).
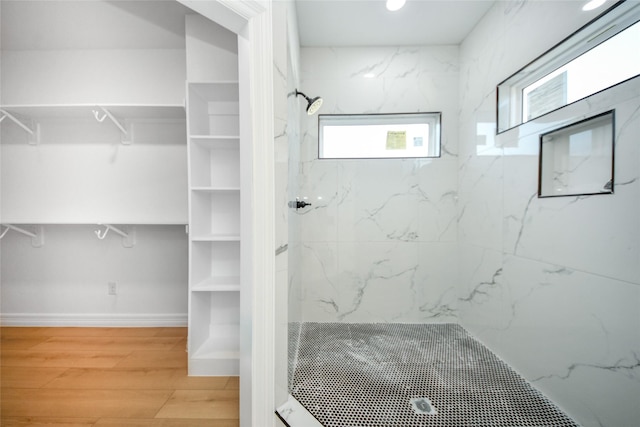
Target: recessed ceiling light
(394,5)
(593,4)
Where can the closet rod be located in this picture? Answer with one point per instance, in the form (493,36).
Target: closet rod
(19,230)
(102,235)
(37,239)
(128,239)
(107,113)
(16,121)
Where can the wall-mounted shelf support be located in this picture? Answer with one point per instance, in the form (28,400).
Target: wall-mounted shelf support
(128,237)
(37,238)
(34,135)
(126,139)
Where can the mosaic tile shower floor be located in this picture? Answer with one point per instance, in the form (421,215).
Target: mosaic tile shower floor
(368,375)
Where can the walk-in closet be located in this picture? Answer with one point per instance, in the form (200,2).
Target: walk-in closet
(121,171)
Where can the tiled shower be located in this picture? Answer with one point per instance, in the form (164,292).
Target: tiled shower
(552,286)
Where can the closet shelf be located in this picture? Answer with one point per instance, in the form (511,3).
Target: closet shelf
(217,284)
(209,351)
(216,141)
(121,111)
(216,189)
(212,82)
(204,139)
(216,238)
(96,222)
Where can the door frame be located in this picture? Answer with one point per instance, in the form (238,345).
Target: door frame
(251,20)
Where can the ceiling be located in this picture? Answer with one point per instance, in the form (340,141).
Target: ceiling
(68,24)
(109,24)
(340,23)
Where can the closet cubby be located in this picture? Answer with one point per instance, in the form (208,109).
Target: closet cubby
(215,345)
(214,109)
(215,265)
(214,162)
(215,214)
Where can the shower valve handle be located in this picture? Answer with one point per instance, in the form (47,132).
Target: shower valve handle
(299,204)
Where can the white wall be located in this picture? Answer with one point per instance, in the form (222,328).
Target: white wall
(551,285)
(80,172)
(64,282)
(378,242)
(99,77)
(93,52)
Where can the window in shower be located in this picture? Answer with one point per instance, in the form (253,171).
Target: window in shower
(369,136)
(602,54)
(578,159)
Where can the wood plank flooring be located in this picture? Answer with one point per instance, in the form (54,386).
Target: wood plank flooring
(108,377)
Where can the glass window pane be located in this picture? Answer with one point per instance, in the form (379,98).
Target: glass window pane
(615,60)
(379,135)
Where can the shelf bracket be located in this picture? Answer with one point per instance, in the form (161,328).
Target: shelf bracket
(37,238)
(128,237)
(34,135)
(126,138)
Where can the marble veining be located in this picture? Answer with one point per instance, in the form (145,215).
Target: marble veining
(372,222)
(522,221)
(628,367)
(482,289)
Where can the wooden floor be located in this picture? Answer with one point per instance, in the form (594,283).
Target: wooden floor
(108,377)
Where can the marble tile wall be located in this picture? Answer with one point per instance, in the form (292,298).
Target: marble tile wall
(551,285)
(378,243)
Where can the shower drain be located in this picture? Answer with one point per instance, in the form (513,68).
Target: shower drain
(422,405)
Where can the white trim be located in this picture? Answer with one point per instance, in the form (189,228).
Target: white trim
(257,364)
(234,15)
(251,19)
(263,222)
(94,320)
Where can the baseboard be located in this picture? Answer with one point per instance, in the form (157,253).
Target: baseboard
(94,320)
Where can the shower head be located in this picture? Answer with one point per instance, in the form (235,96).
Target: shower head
(313,104)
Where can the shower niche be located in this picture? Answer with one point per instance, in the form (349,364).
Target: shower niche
(578,159)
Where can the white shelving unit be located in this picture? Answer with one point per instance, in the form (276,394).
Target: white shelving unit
(214,200)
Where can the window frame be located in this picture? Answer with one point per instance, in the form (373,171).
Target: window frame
(509,93)
(434,120)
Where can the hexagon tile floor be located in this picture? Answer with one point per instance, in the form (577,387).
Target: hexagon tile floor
(407,375)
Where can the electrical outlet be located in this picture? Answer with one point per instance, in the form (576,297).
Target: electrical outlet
(112,288)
